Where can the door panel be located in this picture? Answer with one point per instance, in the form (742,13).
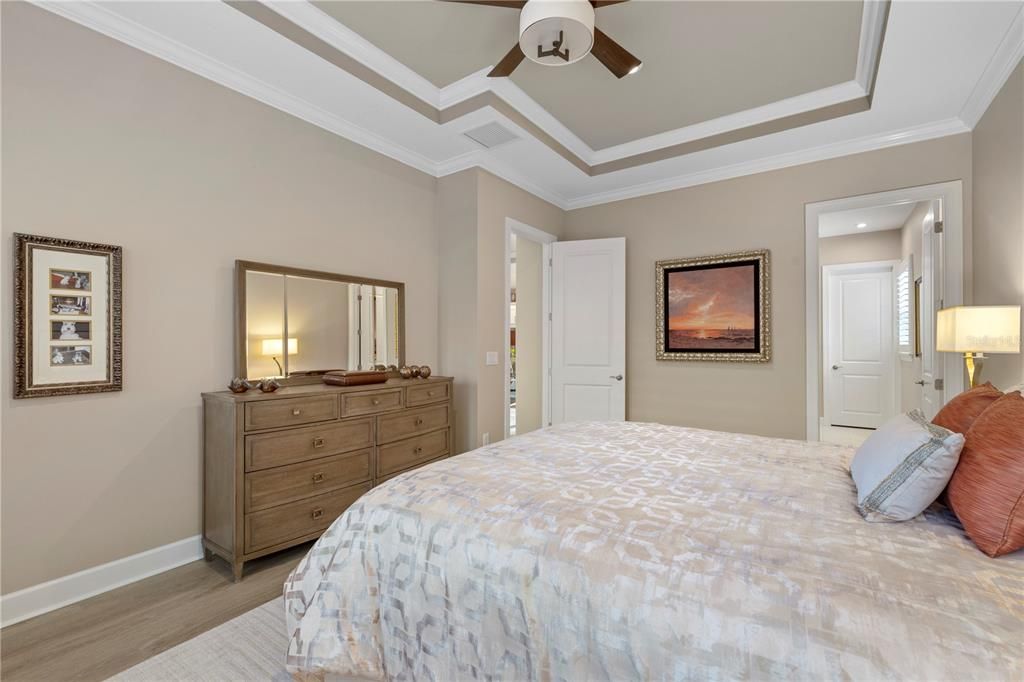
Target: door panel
(860,351)
(588,330)
(932,398)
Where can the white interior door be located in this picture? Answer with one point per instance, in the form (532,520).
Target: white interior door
(860,378)
(588,330)
(931,383)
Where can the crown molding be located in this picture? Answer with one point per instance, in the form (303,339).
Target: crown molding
(311,18)
(99,17)
(102,20)
(1004,60)
(869,52)
(869,143)
(479,158)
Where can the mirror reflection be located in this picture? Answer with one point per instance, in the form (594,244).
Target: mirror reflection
(301,325)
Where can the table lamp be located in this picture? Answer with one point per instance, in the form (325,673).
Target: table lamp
(978,329)
(274,347)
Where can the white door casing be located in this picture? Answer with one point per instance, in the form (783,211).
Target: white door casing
(588,330)
(859,344)
(931,380)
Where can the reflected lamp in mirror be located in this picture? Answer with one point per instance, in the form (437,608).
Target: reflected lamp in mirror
(274,348)
(978,329)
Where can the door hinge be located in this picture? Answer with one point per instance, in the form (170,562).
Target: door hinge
(551,262)
(938,227)
(940,384)
(550,319)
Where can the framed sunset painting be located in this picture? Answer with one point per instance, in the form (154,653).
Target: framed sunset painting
(714,308)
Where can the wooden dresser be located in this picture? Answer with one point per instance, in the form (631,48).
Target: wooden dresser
(280,467)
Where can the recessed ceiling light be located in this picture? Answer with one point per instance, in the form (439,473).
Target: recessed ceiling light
(861,226)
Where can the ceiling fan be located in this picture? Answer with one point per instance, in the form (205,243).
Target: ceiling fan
(560,32)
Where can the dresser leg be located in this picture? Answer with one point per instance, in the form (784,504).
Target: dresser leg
(207,554)
(236,569)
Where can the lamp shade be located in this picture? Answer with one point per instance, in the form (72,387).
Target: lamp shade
(978,329)
(273,346)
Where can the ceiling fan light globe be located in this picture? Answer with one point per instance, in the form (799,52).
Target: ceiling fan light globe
(541,22)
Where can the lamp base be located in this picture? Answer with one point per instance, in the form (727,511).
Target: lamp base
(974,362)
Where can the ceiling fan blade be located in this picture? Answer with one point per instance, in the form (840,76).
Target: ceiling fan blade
(604,3)
(508,63)
(616,58)
(511,4)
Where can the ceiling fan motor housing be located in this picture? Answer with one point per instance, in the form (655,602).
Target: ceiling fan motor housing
(542,23)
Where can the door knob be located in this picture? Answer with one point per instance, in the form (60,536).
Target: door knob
(921,382)
(835,366)
(617,377)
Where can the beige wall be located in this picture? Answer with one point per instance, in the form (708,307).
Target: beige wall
(758,211)
(529,346)
(998,146)
(859,248)
(457,307)
(498,200)
(472,207)
(105,143)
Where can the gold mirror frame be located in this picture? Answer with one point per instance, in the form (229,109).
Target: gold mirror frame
(764,300)
(243,267)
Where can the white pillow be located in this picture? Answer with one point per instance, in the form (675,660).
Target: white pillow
(903,467)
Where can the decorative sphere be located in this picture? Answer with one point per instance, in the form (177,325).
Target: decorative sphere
(424,371)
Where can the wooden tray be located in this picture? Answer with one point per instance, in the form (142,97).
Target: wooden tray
(345,378)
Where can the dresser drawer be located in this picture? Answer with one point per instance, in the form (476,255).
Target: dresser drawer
(411,423)
(355,404)
(298,519)
(272,487)
(272,414)
(298,445)
(425,394)
(388,477)
(407,453)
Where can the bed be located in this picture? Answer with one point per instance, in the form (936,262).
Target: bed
(641,551)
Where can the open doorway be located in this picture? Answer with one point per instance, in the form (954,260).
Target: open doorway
(527,301)
(879,269)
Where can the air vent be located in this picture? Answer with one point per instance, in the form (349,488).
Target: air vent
(491,135)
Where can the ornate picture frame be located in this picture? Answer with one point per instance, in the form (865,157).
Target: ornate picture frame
(67,317)
(714,308)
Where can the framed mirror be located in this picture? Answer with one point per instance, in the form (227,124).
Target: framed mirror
(295,324)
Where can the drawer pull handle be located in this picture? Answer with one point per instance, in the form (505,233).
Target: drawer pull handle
(318,477)
(430,394)
(376,401)
(318,513)
(318,442)
(419,421)
(296,412)
(417,451)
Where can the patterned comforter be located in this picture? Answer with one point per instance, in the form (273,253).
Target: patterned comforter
(626,551)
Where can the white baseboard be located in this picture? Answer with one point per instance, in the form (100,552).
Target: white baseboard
(38,599)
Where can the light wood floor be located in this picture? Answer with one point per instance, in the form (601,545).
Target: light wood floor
(102,636)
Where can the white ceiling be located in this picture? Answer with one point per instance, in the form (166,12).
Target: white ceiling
(702,60)
(941,65)
(874,219)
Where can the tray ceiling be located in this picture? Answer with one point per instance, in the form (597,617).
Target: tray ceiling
(702,60)
(938,66)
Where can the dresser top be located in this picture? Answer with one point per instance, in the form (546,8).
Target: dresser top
(318,389)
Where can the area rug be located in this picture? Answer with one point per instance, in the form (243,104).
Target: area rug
(249,647)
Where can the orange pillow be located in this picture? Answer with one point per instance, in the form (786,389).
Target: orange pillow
(987,489)
(959,413)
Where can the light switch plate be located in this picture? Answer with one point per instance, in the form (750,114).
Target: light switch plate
(492,357)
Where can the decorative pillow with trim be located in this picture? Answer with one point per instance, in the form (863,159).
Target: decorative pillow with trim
(903,466)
